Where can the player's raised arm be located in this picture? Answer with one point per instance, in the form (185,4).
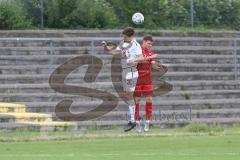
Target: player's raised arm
(110,47)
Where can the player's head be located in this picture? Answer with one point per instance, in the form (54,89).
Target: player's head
(128,34)
(147,41)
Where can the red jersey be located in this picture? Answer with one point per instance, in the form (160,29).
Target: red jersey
(144,81)
(144,68)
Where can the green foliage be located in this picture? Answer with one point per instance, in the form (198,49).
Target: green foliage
(176,13)
(159,14)
(32,8)
(12,16)
(217,13)
(197,127)
(201,127)
(80,14)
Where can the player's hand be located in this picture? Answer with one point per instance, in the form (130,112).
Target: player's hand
(103,44)
(153,56)
(108,46)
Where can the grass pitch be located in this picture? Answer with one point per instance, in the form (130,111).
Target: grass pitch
(135,148)
(195,142)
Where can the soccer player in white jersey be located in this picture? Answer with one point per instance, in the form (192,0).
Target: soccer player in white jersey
(130,57)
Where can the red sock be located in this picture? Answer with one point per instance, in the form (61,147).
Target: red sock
(148,108)
(136,112)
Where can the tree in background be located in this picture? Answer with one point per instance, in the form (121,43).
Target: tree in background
(80,14)
(159,14)
(215,13)
(12,15)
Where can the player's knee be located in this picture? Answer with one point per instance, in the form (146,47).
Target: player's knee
(149,99)
(137,100)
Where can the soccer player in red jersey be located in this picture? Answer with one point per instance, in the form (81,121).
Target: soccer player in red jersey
(131,56)
(144,83)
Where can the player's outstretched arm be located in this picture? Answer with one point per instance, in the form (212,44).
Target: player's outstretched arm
(110,47)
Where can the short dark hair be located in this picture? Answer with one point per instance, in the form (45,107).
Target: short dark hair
(128,31)
(148,38)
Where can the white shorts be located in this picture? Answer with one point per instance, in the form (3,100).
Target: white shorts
(130,81)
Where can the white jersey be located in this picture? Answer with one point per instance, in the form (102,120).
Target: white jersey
(130,73)
(131,53)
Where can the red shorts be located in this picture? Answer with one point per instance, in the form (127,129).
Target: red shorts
(144,86)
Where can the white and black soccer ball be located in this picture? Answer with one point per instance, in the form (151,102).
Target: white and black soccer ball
(138,18)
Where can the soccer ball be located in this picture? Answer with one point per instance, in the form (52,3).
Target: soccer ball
(137,18)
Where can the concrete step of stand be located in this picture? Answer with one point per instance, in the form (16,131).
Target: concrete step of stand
(12,107)
(38,126)
(31,117)
(171,115)
(180,67)
(173,95)
(106,77)
(177,86)
(96,50)
(53,60)
(89,41)
(83,106)
(161,124)
(110,124)
(200,68)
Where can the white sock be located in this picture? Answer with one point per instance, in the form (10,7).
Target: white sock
(132,113)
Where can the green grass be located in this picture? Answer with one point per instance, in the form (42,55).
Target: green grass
(194,142)
(194,129)
(138,148)
(203,128)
